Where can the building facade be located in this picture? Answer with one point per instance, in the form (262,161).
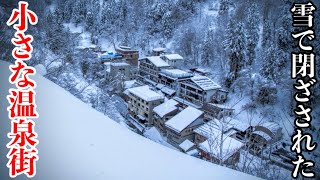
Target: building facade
(181,126)
(172,77)
(174,60)
(218,111)
(150,67)
(199,90)
(120,68)
(141,101)
(129,54)
(163,113)
(215,145)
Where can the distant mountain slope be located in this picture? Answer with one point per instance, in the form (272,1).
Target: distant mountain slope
(77,142)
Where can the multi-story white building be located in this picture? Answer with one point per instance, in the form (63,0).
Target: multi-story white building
(180,127)
(174,60)
(201,89)
(150,67)
(141,101)
(172,77)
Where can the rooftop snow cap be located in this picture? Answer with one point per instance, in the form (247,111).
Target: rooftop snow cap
(173,57)
(166,107)
(182,120)
(145,93)
(157,61)
(205,83)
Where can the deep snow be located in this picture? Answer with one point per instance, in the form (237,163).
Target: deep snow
(77,142)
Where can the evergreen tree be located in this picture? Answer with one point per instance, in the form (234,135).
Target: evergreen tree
(277,48)
(252,29)
(224,6)
(234,45)
(208,48)
(267,36)
(79,11)
(90,22)
(57,37)
(110,14)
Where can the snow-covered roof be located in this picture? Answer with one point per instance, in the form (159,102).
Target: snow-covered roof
(182,120)
(173,57)
(160,86)
(150,81)
(185,102)
(202,70)
(168,90)
(125,49)
(166,107)
(193,152)
(205,83)
(90,155)
(223,125)
(186,145)
(110,55)
(119,64)
(273,127)
(159,49)
(221,106)
(145,93)
(126,92)
(129,84)
(157,61)
(236,124)
(263,134)
(176,73)
(220,146)
(208,128)
(141,127)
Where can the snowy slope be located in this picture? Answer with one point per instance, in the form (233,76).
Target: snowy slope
(77,142)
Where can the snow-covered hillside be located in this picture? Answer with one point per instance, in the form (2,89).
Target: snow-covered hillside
(77,142)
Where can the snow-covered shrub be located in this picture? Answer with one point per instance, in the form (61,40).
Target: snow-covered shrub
(263,91)
(266,95)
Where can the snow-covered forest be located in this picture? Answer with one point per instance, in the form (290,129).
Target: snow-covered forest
(245,45)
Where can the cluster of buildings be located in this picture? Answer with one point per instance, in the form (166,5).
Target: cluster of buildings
(124,61)
(187,108)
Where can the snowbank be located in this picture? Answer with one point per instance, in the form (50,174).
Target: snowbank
(77,142)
